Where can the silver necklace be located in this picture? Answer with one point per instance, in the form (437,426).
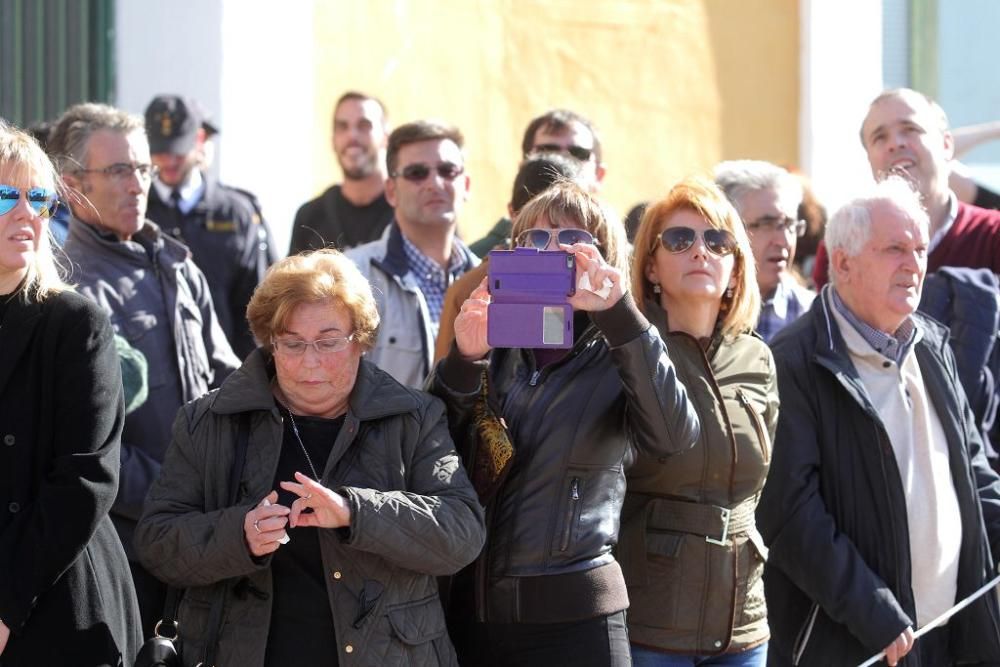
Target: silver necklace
(298,438)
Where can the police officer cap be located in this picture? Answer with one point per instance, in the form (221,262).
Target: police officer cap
(172,123)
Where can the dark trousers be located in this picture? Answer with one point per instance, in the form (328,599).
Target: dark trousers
(151,593)
(593,642)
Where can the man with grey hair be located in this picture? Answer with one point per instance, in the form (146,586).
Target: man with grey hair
(154,294)
(880,510)
(767,198)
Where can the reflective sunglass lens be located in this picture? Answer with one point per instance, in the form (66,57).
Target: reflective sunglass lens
(8,198)
(416,172)
(677,239)
(719,241)
(571,236)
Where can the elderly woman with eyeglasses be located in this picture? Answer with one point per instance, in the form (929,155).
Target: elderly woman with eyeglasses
(351,500)
(547,589)
(63,599)
(689,548)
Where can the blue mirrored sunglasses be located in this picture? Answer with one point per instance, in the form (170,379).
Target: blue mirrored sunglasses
(42,201)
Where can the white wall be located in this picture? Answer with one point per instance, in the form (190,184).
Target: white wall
(249,63)
(841,72)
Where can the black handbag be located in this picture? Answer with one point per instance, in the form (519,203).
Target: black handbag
(165,651)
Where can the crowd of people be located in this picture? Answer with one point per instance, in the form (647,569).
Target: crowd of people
(738,458)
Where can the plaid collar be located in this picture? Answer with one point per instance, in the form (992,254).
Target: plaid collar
(893,347)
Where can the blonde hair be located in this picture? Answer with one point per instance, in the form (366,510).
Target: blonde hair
(739,314)
(312,277)
(566,204)
(26,162)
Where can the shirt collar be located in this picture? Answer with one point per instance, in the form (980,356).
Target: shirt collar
(893,347)
(779,300)
(948,222)
(191,190)
(424,265)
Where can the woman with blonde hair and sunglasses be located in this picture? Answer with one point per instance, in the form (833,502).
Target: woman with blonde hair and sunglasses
(63,599)
(689,549)
(546,590)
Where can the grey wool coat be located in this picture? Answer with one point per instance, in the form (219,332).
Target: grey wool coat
(414,516)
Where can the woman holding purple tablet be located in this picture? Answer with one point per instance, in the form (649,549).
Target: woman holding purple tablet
(689,546)
(547,435)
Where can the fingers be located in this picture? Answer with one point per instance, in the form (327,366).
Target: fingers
(311,495)
(264,525)
(482,291)
(902,645)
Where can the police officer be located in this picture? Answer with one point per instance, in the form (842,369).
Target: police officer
(223,227)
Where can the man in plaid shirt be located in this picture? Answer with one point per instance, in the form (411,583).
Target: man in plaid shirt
(767,198)
(418,256)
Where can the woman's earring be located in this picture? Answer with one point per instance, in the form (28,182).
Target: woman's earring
(729,292)
(656,288)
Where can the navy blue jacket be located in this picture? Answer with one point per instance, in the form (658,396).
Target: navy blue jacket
(833,512)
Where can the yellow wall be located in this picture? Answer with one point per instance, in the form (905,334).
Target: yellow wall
(673,86)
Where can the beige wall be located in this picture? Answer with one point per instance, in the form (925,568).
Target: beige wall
(673,85)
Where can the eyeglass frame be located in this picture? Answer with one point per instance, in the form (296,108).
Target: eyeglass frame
(277,345)
(147,170)
(661,243)
(517,243)
(581,153)
(437,169)
(789,224)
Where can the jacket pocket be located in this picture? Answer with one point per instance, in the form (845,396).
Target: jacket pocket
(134,327)
(654,604)
(420,634)
(758,425)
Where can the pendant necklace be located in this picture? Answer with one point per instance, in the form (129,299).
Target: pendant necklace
(298,438)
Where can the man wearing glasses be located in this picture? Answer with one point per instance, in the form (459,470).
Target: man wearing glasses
(418,256)
(223,227)
(767,198)
(154,294)
(555,131)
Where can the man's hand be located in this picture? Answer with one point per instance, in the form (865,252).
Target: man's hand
(895,651)
(4,636)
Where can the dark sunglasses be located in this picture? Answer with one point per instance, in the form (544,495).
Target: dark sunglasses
(679,239)
(579,152)
(541,238)
(43,202)
(418,172)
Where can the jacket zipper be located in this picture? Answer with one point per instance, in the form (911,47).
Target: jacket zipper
(574,498)
(757,426)
(805,632)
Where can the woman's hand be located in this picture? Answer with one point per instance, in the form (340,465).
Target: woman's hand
(329,509)
(590,262)
(4,636)
(264,526)
(470,325)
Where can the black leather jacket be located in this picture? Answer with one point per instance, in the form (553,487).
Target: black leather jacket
(575,425)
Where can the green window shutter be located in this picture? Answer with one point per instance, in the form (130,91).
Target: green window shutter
(54,53)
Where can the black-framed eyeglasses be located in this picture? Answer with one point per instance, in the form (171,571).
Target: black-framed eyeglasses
(43,202)
(418,171)
(122,170)
(679,239)
(296,347)
(786,224)
(579,152)
(541,238)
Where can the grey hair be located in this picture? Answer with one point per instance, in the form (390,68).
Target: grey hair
(72,132)
(849,228)
(737,178)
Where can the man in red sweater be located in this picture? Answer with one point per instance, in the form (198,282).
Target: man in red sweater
(906,132)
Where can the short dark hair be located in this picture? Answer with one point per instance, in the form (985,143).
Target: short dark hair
(537,173)
(415,132)
(361,97)
(557,121)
